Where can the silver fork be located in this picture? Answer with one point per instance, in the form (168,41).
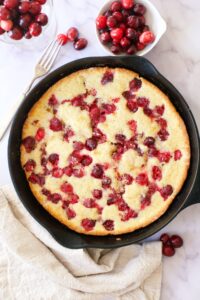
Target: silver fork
(42,67)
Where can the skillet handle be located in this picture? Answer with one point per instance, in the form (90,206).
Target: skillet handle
(195,194)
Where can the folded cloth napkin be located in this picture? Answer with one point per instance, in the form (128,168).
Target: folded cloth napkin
(34,266)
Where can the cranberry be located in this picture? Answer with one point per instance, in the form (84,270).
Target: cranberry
(133,22)
(106,182)
(30,165)
(97,171)
(122,206)
(142,102)
(68,171)
(40,134)
(45,192)
(109,225)
(176,241)
(35,8)
(146,201)
(27,35)
(128,95)
(107,13)
(107,77)
(98,134)
(16,33)
(11,3)
(57,172)
(127,179)
(131,34)
(29,143)
(166,191)
(97,194)
(66,188)
(80,44)
(133,125)
(24,7)
(69,133)
(53,158)
(74,198)
(126,13)
(164,238)
(105,37)
(108,108)
(55,198)
(35,29)
(148,111)
(42,19)
(145,28)
(115,6)
(127,4)
(115,49)
(141,20)
(75,158)
(149,141)
(78,145)
(164,156)
(111,22)
(72,34)
(132,105)
(25,20)
(135,84)
(56,124)
(86,160)
(162,122)
(120,138)
(88,224)
(131,50)
(89,203)
(125,42)
(130,213)
(101,22)
(159,109)
(140,46)
(78,101)
(1,31)
(163,134)
(6,25)
(70,213)
(156,173)
(153,152)
(118,16)
(4,13)
(168,250)
(79,173)
(91,144)
(177,154)
(62,39)
(139,9)
(142,179)
(147,37)
(52,100)
(36,179)
(117,34)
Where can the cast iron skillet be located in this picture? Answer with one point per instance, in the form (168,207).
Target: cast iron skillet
(188,195)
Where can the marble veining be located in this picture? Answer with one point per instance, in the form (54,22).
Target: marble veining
(177,57)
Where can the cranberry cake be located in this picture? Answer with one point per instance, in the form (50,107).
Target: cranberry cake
(105,151)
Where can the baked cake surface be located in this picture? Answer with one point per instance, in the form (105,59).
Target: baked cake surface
(105,151)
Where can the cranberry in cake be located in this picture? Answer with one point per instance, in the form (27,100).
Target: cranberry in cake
(105,151)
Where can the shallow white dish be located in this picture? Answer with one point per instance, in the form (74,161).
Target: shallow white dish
(153,18)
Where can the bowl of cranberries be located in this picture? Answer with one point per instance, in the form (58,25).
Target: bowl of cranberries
(129,27)
(22,20)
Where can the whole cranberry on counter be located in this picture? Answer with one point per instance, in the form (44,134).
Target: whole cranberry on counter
(62,38)
(80,44)
(72,34)
(169,243)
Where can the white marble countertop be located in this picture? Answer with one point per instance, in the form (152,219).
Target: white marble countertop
(177,57)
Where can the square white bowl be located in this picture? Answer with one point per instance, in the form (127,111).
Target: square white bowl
(153,19)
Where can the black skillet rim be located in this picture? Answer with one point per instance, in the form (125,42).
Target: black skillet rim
(81,241)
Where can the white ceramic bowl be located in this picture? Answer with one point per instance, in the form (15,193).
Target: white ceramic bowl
(153,18)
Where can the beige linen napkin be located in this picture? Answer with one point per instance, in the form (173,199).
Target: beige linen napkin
(34,266)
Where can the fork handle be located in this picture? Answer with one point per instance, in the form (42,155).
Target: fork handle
(9,116)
